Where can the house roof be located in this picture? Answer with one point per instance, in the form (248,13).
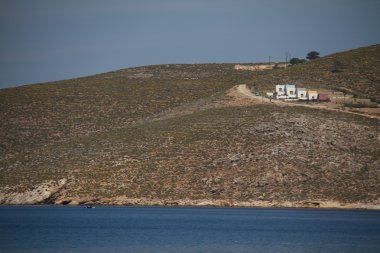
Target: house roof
(312,91)
(301,89)
(290,86)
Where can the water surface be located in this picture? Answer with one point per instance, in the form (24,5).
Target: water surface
(171,229)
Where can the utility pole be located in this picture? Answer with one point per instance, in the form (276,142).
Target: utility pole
(287,57)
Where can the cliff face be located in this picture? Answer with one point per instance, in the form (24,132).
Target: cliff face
(176,135)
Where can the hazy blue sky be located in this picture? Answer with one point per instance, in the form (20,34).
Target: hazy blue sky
(43,40)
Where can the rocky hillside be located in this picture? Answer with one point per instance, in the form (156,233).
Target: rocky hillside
(175,134)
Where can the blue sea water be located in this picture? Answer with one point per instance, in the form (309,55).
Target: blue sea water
(177,229)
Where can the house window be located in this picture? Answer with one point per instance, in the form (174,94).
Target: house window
(279,89)
(301,95)
(291,92)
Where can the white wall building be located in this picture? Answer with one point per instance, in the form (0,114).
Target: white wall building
(290,91)
(312,94)
(301,93)
(280,89)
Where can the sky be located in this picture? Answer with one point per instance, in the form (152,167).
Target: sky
(47,40)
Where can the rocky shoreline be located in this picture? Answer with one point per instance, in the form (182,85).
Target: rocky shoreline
(124,201)
(53,193)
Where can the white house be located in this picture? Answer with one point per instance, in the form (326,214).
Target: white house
(290,91)
(280,91)
(312,94)
(301,93)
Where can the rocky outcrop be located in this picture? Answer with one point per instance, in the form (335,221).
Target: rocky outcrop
(37,195)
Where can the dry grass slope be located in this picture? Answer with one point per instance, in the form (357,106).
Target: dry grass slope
(43,113)
(259,152)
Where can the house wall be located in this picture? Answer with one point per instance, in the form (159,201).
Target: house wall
(291,92)
(323,97)
(281,96)
(257,67)
(312,95)
(302,94)
(280,90)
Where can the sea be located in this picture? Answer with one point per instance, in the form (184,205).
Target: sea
(65,229)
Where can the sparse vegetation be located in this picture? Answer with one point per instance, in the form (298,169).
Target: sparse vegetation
(147,133)
(295,61)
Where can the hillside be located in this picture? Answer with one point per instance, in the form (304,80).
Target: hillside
(53,112)
(178,134)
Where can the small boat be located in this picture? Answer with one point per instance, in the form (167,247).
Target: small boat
(89,206)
